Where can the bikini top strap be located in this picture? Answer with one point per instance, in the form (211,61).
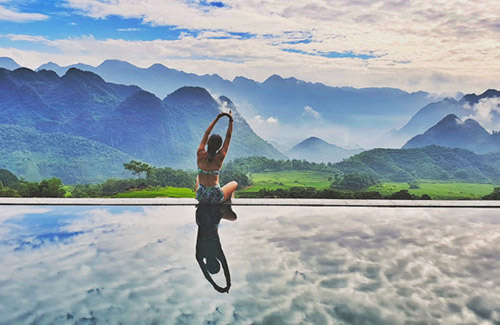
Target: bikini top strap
(209,172)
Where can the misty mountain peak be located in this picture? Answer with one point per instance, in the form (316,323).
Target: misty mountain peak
(24,74)
(116,64)
(473,98)
(49,66)
(490,93)
(318,150)
(452,132)
(192,95)
(143,96)
(141,100)
(227,101)
(450,119)
(312,140)
(85,76)
(8,63)
(158,67)
(48,74)
(274,78)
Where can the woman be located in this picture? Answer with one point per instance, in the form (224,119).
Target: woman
(210,162)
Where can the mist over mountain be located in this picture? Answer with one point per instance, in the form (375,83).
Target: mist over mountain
(287,101)
(434,112)
(126,118)
(452,132)
(317,150)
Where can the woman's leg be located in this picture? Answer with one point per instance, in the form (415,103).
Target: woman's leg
(229,190)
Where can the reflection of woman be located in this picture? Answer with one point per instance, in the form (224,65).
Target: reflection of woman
(210,162)
(209,252)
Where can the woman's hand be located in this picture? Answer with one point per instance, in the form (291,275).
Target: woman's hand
(230,115)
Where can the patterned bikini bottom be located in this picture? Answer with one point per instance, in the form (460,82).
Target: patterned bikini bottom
(209,194)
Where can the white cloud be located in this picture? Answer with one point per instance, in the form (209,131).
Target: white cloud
(486,112)
(438,46)
(262,122)
(309,111)
(16,16)
(131,29)
(26,38)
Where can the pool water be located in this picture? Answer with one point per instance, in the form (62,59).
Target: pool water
(272,265)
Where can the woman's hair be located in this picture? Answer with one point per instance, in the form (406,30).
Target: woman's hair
(214,144)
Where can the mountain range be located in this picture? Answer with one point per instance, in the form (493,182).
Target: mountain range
(284,99)
(452,132)
(430,162)
(317,150)
(434,112)
(124,118)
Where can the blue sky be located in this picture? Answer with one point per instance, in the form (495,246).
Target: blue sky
(414,45)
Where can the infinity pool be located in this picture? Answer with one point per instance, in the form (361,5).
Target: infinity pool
(180,265)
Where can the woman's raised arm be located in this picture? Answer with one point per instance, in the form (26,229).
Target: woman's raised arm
(229,132)
(204,140)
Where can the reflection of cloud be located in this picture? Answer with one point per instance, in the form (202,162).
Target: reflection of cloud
(288,264)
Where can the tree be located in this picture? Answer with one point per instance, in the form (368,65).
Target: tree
(402,195)
(7,178)
(354,182)
(138,167)
(51,188)
(495,195)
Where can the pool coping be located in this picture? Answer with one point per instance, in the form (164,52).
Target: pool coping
(254,202)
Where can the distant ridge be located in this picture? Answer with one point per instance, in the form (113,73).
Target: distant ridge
(279,97)
(430,162)
(452,132)
(317,150)
(8,63)
(434,112)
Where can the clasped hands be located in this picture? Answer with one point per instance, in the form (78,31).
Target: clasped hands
(230,115)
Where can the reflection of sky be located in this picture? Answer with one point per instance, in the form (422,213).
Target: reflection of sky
(288,264)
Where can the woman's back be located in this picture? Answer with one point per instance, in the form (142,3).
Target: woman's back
(208,170)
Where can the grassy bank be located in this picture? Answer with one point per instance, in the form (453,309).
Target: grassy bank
(287,179)
(175,192)
(320,180)
(437,190)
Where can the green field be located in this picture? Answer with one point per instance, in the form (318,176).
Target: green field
(287,179)
(176,192)
(438,191)
(319,180)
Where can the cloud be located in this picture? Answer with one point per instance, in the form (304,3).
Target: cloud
(131,29)
(309,111)
(264,121)
(16,16)
(26,38)
(486,112)
(435,46)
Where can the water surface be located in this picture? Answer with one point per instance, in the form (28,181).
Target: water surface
(146,265)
